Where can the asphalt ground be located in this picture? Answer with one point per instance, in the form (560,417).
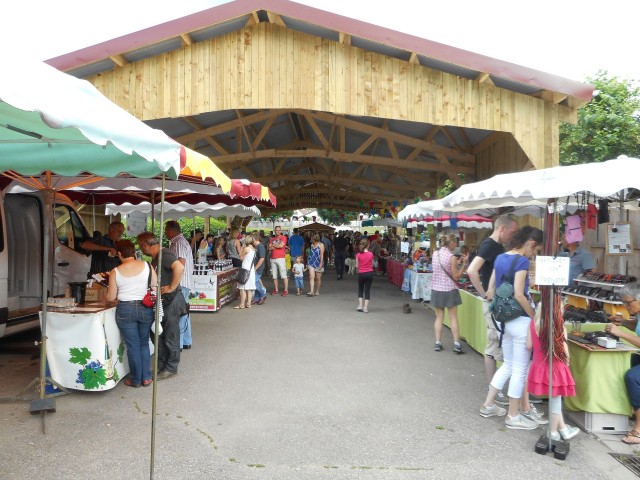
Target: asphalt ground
(300,388)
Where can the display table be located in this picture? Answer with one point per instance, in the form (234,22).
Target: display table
(471,321)
(395,272)
(601,403)
(420,283)
(85,349)
(212,290)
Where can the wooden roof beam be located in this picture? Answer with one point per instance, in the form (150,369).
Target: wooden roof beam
(119,60)
(275,19)
(185,39)
(344,38)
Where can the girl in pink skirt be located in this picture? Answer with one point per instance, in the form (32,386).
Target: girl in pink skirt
(563,383)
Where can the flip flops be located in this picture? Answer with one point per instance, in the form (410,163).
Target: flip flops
(632,438)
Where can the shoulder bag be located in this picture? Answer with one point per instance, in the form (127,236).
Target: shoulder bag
(504,307)
(243,274)
(149,299)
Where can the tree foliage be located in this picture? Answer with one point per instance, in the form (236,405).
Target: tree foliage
(336,217)
(607,127)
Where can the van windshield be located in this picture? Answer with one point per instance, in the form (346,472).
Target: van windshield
(69,228)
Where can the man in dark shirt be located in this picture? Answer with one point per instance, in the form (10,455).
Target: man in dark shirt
(340,253)
(479,272)
(103,249)
(173,304)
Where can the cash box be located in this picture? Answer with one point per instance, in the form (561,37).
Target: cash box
(607,342)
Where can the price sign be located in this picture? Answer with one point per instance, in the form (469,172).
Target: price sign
(552,270)
(619,239)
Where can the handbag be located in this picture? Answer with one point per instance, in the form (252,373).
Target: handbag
(504,307)
(149,299)
(243,274)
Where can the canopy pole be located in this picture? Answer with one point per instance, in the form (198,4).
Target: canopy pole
(158,320)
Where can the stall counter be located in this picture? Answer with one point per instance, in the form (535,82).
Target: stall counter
(601,402)
(471,321)
(395,272)
(420,283)
(212,290)
(85,349)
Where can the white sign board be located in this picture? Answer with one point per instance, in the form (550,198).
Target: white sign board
(552,270)
(136,223)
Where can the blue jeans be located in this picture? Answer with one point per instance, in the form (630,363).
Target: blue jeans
(632,381)
(185,323)
(261,292)
(134,321)
(299,282)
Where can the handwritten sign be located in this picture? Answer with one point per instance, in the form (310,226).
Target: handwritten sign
(552,270)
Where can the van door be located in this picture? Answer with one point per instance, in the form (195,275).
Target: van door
(71,264)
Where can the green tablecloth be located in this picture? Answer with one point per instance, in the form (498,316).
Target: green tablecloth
(599,378)
(471,322)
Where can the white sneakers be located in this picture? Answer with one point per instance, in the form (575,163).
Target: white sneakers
(566,434)
(492,411)
(520,422)
(534,414)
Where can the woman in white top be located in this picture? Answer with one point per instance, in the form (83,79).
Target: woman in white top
(128,284)
(247,255)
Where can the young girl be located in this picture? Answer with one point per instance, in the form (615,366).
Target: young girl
(298,274)
(364,265)
(563,383)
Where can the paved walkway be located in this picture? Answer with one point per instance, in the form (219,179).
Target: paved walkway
(300,388)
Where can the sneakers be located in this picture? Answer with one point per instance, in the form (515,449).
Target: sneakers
(165,374)
(534,414)
(502,399)
(568,432)
(534,399)
(457,348)
(438,347)
(275,292)
(285,293)
(262,300)
(492,411)
(520,422)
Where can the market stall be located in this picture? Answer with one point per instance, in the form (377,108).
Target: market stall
(598,374)
(420,285)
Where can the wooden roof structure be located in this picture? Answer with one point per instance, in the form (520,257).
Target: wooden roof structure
(328,111)
(316,227)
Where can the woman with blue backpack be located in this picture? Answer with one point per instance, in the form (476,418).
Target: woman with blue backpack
(512,270)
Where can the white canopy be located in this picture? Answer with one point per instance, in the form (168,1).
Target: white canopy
(603,179)
(186,210)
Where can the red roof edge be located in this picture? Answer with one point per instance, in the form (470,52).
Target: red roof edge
(375,33)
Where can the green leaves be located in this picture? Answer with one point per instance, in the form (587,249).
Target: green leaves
(93,378)
(79,355)
(607,127)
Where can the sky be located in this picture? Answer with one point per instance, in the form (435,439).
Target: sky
(569,38)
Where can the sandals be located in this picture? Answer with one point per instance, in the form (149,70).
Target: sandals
(632,438)
(238,307)
(309,294)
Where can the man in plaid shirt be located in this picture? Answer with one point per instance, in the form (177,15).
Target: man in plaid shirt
(181,248)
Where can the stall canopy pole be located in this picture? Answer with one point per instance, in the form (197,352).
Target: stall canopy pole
(158,320)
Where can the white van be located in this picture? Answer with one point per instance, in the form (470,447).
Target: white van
(21,255)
